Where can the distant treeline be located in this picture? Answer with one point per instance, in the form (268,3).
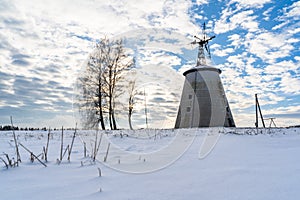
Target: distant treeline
(16,128)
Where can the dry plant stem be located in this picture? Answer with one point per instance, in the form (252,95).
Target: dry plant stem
(84,146)
(45,149)
(100,173)
(95,146)
(105,158)
(67,149)
(16,144)
(8,160)
(5,163)
(62,143)
(32,154)
(99,144)
(70,150)
(46,152)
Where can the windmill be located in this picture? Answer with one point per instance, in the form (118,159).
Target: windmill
(203,101)
(203,43)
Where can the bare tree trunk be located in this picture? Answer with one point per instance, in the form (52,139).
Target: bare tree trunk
(113,93)
(114,120)
(129,118)
(110,96)
(132,93)
(100,105)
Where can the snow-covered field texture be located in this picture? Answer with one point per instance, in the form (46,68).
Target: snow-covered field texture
(154,164)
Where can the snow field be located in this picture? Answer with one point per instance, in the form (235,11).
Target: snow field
(240,166)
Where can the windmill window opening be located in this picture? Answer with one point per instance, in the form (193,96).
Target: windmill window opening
(188,109)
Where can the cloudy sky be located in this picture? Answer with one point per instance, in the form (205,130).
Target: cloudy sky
(44,44)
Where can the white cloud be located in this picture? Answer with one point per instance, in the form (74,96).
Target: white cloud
(158,58)
(223,51)
(235,40)
(293,10)
(269,46)
(289,84)
(201,2)
(237,62)
(294,31)
(252,3)
(267,13)
(7,86)
(231,20)
(222,25)
(279,26)
(281,68)
(57,121)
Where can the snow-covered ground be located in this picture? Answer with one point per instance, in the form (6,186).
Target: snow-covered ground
(240,166)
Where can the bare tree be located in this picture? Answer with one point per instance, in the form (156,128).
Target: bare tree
(98,85)
(92,96)
(132,92)
(117,64)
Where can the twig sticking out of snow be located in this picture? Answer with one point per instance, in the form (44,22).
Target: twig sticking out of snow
(10,162)
(5,163)
(70,150)
(45,149)
(84,147)
(96,145)
(16,143)
(99,171)
(62,144)
(105,158)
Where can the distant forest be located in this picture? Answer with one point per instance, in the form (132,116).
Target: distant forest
(16,128)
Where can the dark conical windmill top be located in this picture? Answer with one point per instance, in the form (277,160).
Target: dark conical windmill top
(203,43)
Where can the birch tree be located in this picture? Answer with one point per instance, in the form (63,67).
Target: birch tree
(107,65)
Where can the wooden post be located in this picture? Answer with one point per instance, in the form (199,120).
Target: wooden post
(256,112)
(261,116)
(272,121)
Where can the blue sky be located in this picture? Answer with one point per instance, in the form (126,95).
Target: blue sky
(44,44)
